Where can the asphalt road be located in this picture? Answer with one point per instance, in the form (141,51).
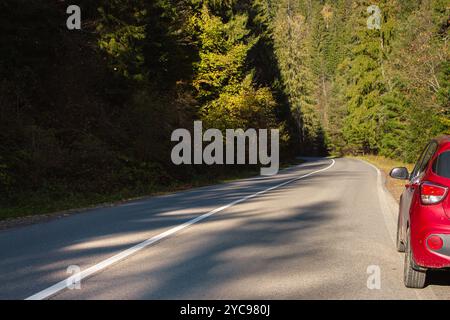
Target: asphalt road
(311,232)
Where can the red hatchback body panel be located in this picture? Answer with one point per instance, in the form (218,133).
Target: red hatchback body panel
(427,220)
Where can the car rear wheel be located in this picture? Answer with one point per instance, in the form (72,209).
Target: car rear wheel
(412,278)
(400,244)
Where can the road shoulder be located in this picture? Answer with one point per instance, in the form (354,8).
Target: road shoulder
(389,208)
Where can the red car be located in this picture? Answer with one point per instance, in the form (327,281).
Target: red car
(423,230)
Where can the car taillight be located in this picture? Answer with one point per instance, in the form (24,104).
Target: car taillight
(431,193)
(435,242)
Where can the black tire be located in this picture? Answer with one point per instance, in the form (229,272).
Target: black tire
(400,245)
(411,277)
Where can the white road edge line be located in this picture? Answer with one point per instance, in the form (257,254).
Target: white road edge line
(389,208)
(54,289)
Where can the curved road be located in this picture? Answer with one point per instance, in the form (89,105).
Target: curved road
(321,230)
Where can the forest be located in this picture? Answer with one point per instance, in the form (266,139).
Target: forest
(86,115)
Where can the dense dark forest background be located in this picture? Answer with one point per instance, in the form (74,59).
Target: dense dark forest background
(86,114)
